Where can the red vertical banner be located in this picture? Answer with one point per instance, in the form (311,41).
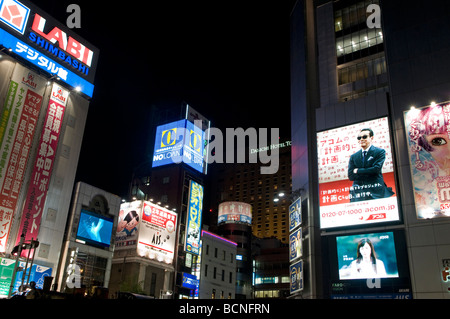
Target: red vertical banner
(43,166)
(12,183)
(18,122)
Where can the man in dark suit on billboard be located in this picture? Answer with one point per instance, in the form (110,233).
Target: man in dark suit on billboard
(364,169)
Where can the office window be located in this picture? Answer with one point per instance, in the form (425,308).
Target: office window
(357,41)
(352,16)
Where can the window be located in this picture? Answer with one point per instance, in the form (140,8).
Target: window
(223,274)
(206,270)
(357,41)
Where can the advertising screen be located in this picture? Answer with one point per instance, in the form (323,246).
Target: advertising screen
(356,175)
(94,229)
(235,212)
(367,256)
(177,142)
(427,133)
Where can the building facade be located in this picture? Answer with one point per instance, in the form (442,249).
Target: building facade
(44,104)
(357,65)
(217,271)
(87,254)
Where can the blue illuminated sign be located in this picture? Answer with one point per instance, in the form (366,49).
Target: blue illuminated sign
(45,63)
(177,142)
(189,281)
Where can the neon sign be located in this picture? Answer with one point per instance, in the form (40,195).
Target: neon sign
(46,44)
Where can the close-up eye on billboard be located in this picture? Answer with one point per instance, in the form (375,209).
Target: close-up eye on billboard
(427,131)
(356,175)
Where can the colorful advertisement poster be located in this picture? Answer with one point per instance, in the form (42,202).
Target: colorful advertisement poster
(157,233)
(356,175)
(427,133)
(6,273)
(17,128)
(295,214)
(194,218)
(37,274)
(295,245)
(128,224)
(296,277)
(43,166)
(235,212)
(177,142)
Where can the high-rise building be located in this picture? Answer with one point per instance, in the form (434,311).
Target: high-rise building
(371,73)
(268,194)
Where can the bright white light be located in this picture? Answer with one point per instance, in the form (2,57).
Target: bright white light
(78,88)
(276,199)
(281,194)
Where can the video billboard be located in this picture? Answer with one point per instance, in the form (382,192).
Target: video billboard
(367,256)
(94,229)
(367,265)
(356,188)
(177,142)
(427,134)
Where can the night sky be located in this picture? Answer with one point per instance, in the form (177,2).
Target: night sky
(227,59)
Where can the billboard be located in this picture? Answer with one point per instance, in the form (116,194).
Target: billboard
(356,188)
(295,245)
(366,265)
(37,274)
(296,277)
(94,229)
(427,135)
(295,214)
(179,141)
(47,44)
(194,218)
(235,212)
(365,256)
(128,225)
(157,233)
(148,228)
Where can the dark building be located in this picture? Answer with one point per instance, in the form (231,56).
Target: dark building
(269,196)
(355,64)
(270,268)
